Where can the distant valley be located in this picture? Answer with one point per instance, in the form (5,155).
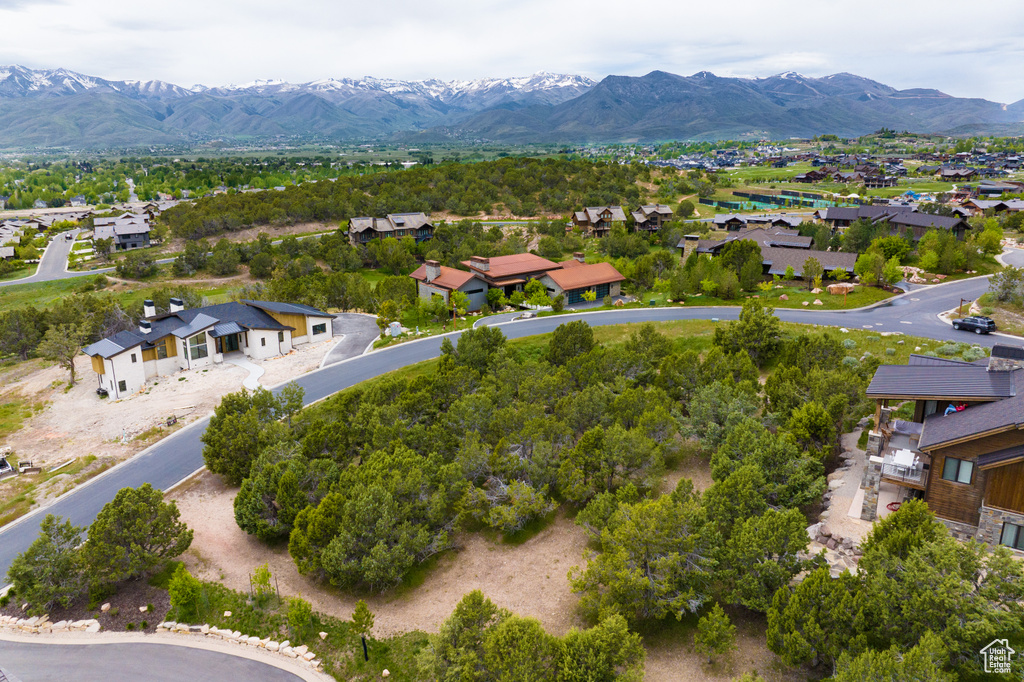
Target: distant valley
(61,108)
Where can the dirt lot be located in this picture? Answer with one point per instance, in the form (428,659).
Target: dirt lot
(530,579)
(77,423)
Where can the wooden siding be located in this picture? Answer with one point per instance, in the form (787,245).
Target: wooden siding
(298,322)
(1005,488)
(149,354)
(954,501)
(979,446)
(172,347)
(97,364)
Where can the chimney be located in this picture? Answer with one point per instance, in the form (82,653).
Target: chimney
(480,263)
(145,326)
(1006,358)
(433,270)
(579,257)
(148,309)
(176,305)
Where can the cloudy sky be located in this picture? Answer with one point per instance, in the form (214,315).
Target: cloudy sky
(943,44)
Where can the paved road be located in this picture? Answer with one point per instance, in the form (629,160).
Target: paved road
(130,662)
(53,264)
(177,456)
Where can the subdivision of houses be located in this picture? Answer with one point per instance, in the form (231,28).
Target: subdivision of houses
(398,225)
(780,249)
(598,221)
(650,217)
(961,449)
(127,231)
(572,278)
(187,338)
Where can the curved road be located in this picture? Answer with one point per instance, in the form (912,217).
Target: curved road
(129,662)
(180,454)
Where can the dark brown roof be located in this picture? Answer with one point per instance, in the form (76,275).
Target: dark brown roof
(919,381)
(779,258)
(1001,350)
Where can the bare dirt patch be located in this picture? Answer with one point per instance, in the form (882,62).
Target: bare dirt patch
(78,423)
(530,579)
(249,234)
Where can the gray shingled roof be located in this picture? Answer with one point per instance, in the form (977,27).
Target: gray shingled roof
(965,382)
(289,308)
(198,323)
(977,419)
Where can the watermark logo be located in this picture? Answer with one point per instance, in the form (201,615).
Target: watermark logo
(997,655)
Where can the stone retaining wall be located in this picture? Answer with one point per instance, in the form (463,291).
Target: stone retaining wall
(301,653)
(43,625)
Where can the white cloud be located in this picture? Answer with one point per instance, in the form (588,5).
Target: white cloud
(914,43)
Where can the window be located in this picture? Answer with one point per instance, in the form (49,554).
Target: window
(122,386)
(280,338)
(474,291)
(263,341)
(134,359)
(1013,536)
(319,329)
(957,470)
(197,346)
(161,350)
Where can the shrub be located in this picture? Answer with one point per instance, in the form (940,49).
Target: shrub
(607,301)
(849,343)
(300,617)
(129,627)
(558,303)
(184,590)
(850,362)
(947,349)
(113,612)
(890,351)
(144,625)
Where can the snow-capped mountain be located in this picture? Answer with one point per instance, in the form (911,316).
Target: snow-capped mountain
(18,81)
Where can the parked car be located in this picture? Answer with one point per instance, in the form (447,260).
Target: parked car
(978,325)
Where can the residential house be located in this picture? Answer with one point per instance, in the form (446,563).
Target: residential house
(39,203)
(962,448)
(511,274)
(598,221)
(185,339)
(78,201)
(650,217)
(434,278)
(127,231)
(398,225)
(576,277)
(899,218)
(6,252)
(780,249)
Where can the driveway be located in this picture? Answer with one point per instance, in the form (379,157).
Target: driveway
(357,332)
(129,662)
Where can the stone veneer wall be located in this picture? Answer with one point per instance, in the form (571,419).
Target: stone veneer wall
(872,477)
(990,525)
(960,531)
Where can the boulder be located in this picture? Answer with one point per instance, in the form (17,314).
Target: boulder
(323,635)
(143,609)
(385,673)
(817,301)
(273,646)
(783,297)
(816,290)
(227,614)
(308,656)
(832,544)
(847,543)
(835,484)
(300,650)
(105,608)
(825,531)
(804,303)
(93,627)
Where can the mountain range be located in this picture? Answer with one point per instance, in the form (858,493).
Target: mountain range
(62,108)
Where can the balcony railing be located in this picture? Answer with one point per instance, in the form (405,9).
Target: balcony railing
(914,476)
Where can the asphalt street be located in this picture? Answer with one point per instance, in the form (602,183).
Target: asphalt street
(358,332)
(172,459)
(129,662)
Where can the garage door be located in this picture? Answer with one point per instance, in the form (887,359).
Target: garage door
(575,296)
(602,290)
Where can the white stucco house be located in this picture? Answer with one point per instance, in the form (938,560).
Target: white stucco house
(184,339)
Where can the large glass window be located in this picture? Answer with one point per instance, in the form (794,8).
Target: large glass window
(319,329)
(957,470)
(197,346)
(1013,536)
(161,350)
